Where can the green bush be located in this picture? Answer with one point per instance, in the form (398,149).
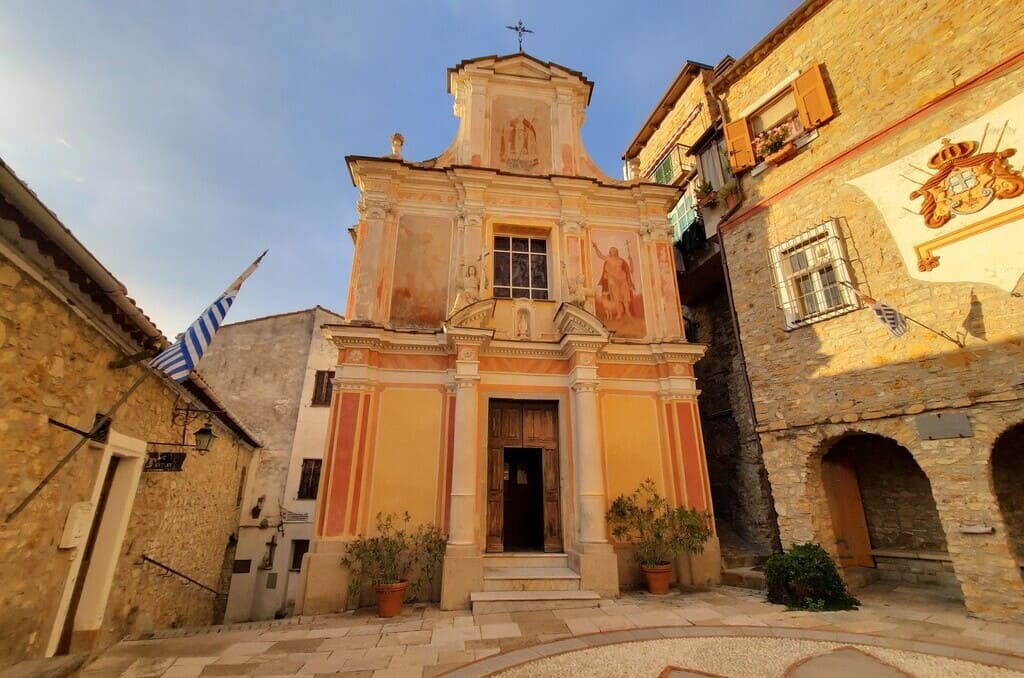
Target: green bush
(396,554)
(806,578)
(657,530)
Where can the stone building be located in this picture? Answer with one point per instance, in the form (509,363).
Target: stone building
(80,561)
(277,374)
(517,311)
(879,159)
(681,144)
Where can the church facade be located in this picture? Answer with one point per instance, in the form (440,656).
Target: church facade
(512,356)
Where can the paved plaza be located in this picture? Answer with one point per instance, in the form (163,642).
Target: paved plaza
(899,630)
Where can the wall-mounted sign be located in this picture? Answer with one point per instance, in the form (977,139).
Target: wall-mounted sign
(164,461)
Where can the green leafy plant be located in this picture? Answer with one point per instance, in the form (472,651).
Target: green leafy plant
(730,188)
(806,578)
(396,554)
(705,194)
(656,529)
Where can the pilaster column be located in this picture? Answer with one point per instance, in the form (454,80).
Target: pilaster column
(591,527)
(462,521)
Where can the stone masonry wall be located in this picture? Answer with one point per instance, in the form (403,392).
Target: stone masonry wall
(54,364)
(739,484)
(653,150)
(849,374)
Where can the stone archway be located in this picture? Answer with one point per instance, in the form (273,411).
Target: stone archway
(1008,483)
(883,513)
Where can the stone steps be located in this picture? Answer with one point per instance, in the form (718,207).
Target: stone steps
(526,560)
(744,577)
(530,579)
(488,602)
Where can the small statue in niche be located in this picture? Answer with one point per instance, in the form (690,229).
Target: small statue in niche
(522,324)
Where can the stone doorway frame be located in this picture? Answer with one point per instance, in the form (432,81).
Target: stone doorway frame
(95,592)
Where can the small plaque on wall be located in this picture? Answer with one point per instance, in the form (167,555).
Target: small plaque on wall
(943,426)
(164,461)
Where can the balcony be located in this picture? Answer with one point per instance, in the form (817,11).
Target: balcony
(692,242)
(673,167)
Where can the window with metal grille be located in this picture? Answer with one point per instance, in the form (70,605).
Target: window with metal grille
(811,276)
(309,481)
(520,267)
(299,549)
(323,388)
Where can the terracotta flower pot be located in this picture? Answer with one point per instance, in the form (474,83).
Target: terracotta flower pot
(780,156)
(657,578)
(389,599)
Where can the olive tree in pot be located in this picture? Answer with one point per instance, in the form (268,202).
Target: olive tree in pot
(658,531)
(394,560)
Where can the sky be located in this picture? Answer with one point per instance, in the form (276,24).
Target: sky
(178,140)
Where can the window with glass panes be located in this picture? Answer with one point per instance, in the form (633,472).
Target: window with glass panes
(520,267)
(811,276)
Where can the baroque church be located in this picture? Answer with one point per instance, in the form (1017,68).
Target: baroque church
(512,356)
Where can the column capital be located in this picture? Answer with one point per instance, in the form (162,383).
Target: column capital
(585,386)
(466,381)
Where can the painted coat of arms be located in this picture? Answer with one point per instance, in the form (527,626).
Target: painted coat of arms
(961,215)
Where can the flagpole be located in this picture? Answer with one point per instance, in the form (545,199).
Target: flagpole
(100,422)
(104,418)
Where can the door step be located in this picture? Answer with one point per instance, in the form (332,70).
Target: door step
(528,559)
(487,602)
(744,577)
(530,579)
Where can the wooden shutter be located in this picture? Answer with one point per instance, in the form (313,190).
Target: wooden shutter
(812,102)
(741,147)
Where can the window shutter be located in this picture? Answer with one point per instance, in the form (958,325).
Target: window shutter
(741,147)
(812,102)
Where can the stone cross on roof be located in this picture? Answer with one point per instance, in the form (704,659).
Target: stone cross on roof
(520,29)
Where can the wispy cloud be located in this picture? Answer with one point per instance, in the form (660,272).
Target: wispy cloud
(63,142)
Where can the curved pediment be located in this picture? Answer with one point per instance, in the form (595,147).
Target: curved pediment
(475,316)
(574,320)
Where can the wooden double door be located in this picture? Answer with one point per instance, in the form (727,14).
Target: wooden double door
(523,494)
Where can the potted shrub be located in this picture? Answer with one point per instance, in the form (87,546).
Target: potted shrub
(658,531)
(705,194)
(729,194)
(806,578)
(393,560)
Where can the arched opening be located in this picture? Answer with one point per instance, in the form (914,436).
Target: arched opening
(883,513)
(1008,482)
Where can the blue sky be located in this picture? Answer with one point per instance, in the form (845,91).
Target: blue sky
(178,140)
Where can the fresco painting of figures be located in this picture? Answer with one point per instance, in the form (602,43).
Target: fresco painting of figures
(618,294)
(420,289)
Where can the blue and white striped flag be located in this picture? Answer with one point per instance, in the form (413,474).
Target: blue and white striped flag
(179,359)
(895,321)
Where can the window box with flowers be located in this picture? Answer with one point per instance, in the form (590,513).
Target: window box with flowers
(776,144)
(772,129)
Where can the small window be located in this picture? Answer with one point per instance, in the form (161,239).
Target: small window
(272,580)
(811,276)
(520,267)
(714,164)
(241,567)
(309,481)
(323,388)
(299,549)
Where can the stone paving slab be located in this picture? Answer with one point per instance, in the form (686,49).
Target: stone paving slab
(426,641)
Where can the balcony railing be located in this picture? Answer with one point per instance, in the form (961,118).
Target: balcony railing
(673,166)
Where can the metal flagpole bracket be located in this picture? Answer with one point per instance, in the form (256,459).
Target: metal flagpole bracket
(130,360)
